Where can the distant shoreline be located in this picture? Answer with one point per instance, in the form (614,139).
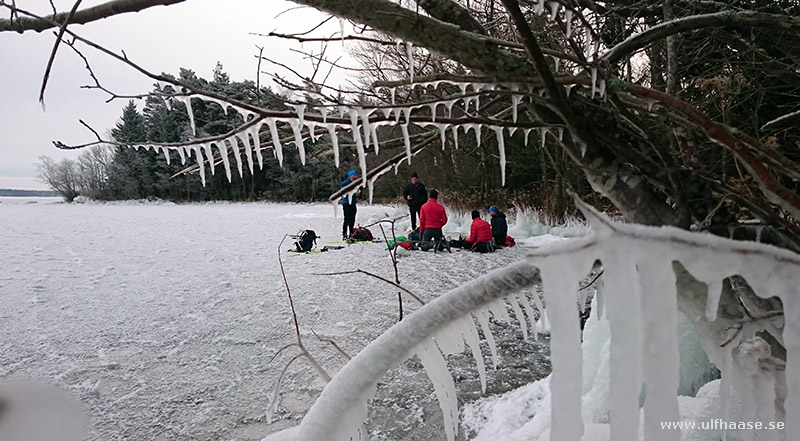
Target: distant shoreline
(9,192)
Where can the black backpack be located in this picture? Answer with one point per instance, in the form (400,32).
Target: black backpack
(306,241)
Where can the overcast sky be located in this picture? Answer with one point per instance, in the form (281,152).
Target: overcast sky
(194,34)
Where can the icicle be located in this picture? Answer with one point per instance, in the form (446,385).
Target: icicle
(300,110)
(650,103)
(501,146)
(539,9)
(556,63)
(236,154)
(341,28)
(543,132)
(201,163)
(540,307)
(554,6)
(407,111)
(207,148)
(449,106)
(166,154)
(568,20)
(392,91)
(455,137)
(433,111)
(253,132)
(512,131)
(406,141)
(527,132)
(223,153)
(560,282)
(443,134)
(518,313)
(477,129)
(660,359)
(594,80)
(582,145)
(362,159)
(725,385)
(515,100)
(298,139)
(369,128)
(187,100)
(499,311)
(483,319)
(182,154)
(601,89)
(568,88)
(526,305)
(323,110)
(560,133)
(387,112)
(436,368)
(410,53)
(334,143)
(625,324)
(246,146)
(276,140)
(712,302)
(467,326)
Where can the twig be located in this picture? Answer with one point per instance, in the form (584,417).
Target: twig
(332,343)
(55,49)
(417,298)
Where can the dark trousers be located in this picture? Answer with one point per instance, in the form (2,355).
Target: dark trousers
(432,234)
(349,219)
(414,210)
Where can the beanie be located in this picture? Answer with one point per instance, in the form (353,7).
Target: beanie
(493,208)
(352,173)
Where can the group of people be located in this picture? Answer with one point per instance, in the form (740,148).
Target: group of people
(432,217)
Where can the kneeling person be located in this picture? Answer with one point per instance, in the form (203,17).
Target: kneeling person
(480,234)
(432,217)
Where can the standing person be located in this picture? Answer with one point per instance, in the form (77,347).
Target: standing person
(415,195)
(432,218)
(499,225)
(349,205)
(480,234)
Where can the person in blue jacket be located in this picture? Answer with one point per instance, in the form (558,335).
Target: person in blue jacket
(349,205)
(499,226)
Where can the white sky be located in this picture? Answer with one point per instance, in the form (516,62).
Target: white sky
(194,34)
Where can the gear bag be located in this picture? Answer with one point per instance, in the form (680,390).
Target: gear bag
(306,241)
(362,235)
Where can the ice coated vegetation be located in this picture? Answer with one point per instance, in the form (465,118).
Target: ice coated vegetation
(631,387)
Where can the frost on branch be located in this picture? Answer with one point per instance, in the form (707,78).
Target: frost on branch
(648,273)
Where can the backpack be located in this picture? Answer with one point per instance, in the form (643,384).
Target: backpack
(306,240)
(510,242)
(362,235)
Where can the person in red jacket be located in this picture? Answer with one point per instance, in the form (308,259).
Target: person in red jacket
(432,217)
(480,234)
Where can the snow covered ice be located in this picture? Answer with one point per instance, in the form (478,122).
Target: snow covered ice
(161,319)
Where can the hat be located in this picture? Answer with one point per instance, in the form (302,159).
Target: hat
(414,175)
(352,173)
(493,208)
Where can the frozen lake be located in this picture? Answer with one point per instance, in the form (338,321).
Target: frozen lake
(162,319)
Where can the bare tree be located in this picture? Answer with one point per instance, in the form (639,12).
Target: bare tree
(62,176)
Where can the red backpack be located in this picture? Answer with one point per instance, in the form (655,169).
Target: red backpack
(362,235)
(510,241)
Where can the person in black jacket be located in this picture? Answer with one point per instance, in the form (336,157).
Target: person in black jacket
(415,195)
(499,226)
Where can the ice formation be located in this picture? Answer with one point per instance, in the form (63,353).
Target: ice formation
(640,301)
